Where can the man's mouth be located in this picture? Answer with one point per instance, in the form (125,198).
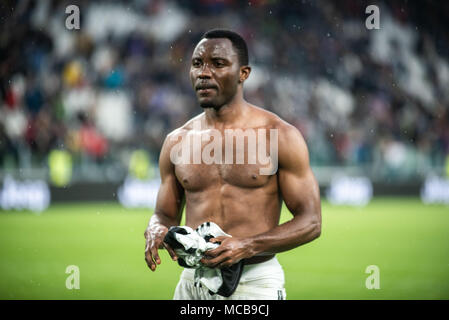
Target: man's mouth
(205,88)
(205,91)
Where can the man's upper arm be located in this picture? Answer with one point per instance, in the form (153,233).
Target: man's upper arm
(299,188)
(170,198)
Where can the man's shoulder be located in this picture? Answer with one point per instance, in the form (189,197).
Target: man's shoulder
(189,125)
(289,137)
(274,121)
(175,136)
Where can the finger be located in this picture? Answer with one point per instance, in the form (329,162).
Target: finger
(147,246)
(171,252)
(225,264)
(213,263)
(155,254)
(149,260)
(218,239)
(214,252)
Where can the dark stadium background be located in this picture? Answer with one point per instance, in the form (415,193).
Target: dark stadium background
(83,114)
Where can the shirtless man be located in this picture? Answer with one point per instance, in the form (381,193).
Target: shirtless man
(237,197)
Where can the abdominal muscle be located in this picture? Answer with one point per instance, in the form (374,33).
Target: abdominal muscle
(240,212)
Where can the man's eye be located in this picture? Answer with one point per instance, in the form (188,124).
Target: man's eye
(196,63)
(219,64)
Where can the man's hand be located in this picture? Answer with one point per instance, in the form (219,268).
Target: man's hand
(230,251)
(154,238)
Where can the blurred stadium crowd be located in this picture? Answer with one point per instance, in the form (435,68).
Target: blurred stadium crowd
(373,100)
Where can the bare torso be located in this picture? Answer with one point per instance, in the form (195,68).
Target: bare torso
(237,197)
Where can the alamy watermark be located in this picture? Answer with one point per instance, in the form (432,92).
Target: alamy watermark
(189,148)
(373,280)
(373,20)
(73,19)
(73,280)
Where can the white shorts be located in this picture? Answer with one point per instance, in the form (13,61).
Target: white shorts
(261,281)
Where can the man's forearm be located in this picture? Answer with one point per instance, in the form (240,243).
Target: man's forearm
(160,220)
(286,236)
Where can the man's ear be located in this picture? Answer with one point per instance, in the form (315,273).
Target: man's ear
(244,73)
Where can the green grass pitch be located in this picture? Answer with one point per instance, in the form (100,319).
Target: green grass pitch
(407,240)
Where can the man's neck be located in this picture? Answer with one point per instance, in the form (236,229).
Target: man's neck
(227,114)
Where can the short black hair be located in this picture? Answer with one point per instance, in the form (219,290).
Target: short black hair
(238,42)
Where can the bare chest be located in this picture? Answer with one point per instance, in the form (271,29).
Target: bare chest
(197,177)
(241,158)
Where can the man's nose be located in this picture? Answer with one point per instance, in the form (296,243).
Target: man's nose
(205,72)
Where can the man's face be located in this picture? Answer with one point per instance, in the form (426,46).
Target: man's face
(215,72)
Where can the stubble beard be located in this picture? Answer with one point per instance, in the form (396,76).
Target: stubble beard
(209,105)
(217,105)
